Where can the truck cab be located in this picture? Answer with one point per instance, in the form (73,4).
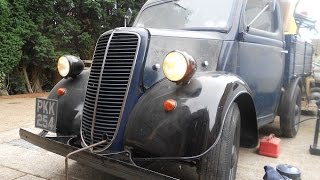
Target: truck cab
(188,83)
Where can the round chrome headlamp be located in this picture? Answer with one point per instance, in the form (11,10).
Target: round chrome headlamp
(70,66)
(179,67)
(63,66)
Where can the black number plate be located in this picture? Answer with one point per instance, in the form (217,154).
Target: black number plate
(46,114)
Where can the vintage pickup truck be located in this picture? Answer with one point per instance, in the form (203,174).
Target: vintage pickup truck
(186,85)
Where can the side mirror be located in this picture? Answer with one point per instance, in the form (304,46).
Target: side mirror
(127,17)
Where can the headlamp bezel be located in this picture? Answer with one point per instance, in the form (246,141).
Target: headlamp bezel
(76,66)
(190,70)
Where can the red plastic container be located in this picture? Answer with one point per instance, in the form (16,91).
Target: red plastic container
(270,146)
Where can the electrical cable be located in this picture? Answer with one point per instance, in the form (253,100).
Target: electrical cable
(315,118)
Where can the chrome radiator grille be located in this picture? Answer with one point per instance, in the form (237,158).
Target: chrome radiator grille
(108,83)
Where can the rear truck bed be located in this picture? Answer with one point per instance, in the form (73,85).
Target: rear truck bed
(109,165)
(298,59)
(299,64)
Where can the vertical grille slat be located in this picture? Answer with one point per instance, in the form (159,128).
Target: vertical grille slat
(113,71)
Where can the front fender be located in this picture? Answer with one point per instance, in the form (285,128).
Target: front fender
(193,127)
(70,105)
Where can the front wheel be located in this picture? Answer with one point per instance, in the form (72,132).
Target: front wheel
(221,161)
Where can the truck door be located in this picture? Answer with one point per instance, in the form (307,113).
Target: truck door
(261,61)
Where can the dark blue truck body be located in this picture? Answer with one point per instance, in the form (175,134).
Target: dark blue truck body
(121,97)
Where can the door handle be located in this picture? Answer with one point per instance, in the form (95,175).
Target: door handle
(284,51)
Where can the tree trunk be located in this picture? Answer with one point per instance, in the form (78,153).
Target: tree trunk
(36,83)
(24,69)
(4,92)
(56,77)
(3,89)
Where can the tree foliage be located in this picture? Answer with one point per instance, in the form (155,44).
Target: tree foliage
(34,33)
(10,38)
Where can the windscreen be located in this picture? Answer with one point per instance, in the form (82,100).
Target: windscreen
(187,14)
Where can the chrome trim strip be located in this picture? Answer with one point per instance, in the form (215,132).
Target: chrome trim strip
(82,138)
(128,87)
(98,89)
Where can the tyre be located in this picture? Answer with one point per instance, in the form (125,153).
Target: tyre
(291,112)
(315,96)
(315,89)
(221,161)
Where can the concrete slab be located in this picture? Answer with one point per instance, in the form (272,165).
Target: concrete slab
(294,151)
(13,134)
(38,162)
(30,177)
(8,173)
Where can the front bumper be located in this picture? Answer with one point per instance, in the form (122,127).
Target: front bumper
(106,164)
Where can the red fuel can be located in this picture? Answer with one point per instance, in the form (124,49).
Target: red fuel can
(270,146)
